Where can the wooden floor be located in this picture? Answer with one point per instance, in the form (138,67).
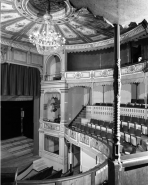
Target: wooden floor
(17,152)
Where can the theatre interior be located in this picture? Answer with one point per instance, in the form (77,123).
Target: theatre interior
(74,94)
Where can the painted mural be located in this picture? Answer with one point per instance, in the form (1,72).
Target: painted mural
(78,26)
(99,37)
(35,28)
(6,35)
(5,6)
(16,27)
(84,30)
(68,33)
(9,16)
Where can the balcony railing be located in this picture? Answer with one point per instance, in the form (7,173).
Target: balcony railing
(106,112)
(96,175)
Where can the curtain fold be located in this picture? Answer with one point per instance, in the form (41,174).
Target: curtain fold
(19,80)
(12,79)
(26,82)
(4,79)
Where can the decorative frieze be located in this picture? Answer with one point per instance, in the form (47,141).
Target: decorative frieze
(73,134)
(85,78)
(51,126)
(84,139)
(98,145)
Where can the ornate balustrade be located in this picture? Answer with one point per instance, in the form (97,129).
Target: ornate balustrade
(96,175)
(83,140)
(106,112)
(104,73)
(44,125)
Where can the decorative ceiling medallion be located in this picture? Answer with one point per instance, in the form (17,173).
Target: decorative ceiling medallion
(61,12)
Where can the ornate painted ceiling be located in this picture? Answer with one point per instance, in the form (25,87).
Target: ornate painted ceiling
(21,17)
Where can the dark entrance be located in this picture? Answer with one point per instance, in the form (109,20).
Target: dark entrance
(16,119)
(76,159)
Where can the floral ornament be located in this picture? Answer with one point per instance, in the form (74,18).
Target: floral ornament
(131,69)
(105,73)
(78,75)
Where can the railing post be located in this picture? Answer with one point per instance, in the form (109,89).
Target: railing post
(70,157)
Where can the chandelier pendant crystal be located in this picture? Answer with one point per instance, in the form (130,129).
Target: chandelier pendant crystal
(48,41)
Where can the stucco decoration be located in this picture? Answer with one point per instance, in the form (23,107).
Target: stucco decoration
(83,31)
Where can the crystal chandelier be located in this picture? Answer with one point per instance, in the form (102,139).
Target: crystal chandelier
(48,41)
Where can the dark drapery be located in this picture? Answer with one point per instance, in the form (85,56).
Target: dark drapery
(17,80)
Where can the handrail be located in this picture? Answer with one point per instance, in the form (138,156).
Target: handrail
(62,179)
(99,139)
(111,68)
(96,168)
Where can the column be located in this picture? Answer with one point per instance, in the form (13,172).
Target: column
(103,92)
(92,93)
(64,106)
(114,164)
(42,105)
(9,54)
(90,97)
(63,64)
(146,93)
(28,57)
(70,157)
(136,91)
(81,159)
(36,124)
(117,91)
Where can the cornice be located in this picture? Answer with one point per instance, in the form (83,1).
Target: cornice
(124,38)
(18,45)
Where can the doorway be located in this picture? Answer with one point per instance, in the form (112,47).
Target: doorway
(16,119)
(76,159)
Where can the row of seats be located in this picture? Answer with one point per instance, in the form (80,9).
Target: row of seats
(104,130)
(137,123)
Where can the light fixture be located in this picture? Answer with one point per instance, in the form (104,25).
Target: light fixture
(48,41)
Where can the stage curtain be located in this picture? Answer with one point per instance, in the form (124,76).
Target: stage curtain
(19,80)
(4,79)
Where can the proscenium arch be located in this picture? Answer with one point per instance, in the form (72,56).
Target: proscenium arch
(48,61)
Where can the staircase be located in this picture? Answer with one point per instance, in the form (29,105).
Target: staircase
(77,120)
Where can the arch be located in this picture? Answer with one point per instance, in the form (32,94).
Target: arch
(53,65)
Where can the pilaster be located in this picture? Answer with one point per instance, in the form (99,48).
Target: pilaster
(42,105)
(28,57)
(64,105)
(9,54)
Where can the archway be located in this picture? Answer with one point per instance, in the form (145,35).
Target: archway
(53,68)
